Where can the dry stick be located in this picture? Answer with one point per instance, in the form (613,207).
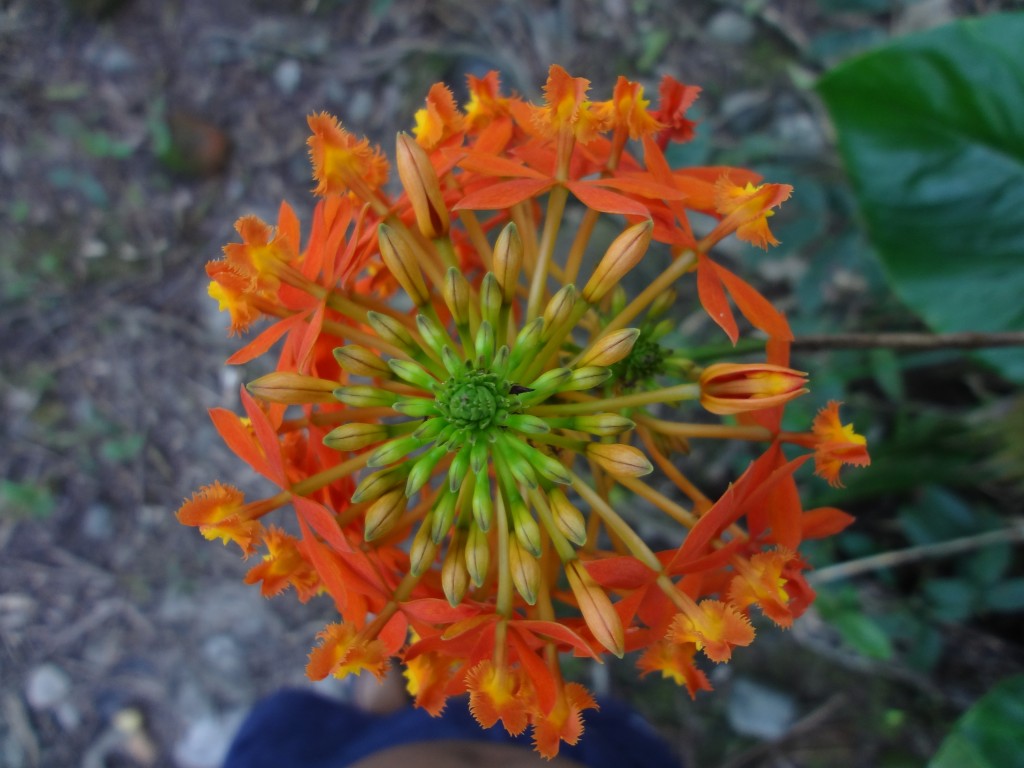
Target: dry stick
(1011,535)
(908,341)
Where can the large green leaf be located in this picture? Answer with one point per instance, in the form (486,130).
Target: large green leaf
(932,132)
(990,734)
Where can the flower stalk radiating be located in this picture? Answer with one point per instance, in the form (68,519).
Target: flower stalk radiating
(457,468)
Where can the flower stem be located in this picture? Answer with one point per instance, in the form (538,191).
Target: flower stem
(552,220)
(612,404)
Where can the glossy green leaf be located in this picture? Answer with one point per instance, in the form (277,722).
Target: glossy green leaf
(930,129)
(990,734)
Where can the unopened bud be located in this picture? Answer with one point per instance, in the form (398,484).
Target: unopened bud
(399,256)
(662,303)
(422,469)
(376,484)
(619,460)
(508,260)
(526,530)
(586,378)
(381,516)
(443,515)
(568,519)
(490,299)
(596,608)
(422,549)
(727,388)
(610,349)
(362,396)
(392,331)
(413,374)
(292,388)
(483,504)
(456,293)
(360,361)
(352,437)
(478,555)
(393,450)
(559,309)
(422,187)
(525,571)
(454,575)
(602,424)
(622,255)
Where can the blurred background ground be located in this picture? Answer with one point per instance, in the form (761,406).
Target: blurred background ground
(133,133)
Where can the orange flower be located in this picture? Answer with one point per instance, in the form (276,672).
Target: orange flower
(282,567)
(714,627)
(674,660)
(233,291)
(675,99)
(837,444)
(746,210)
(427,678)
(564,722)
(341,161)
(627,110)
(567,112)
(439,120)
(761,581)
(485,100)
(499,693)
(216,510)
(343,651)
(727,388)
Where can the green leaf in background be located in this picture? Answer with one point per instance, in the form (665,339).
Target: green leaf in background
(990,734)
(931,129)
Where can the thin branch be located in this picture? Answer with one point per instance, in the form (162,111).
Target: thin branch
(1011,535)
(908,341)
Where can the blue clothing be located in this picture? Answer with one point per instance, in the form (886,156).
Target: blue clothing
(301,729)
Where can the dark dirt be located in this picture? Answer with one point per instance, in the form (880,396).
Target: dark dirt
(128,146)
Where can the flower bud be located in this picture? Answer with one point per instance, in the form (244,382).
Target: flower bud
(602,424)
(478,555)
(400,258)
(382,515)
(393,450)
(454,576)
(508,260)
(376,484)
(434,336)
(360,361)
(568,519)
(483,504)
(422,549)
(292,388)
(422,468)
(525,571)
(392,331)
(361,396)
(352,437)
(727,388)
(422,187)
(490,299)
(456,295)
(526,530)
(443,515)
(622,255)
(619,460)
(597,609)
(586,378)
(413,374)
(610,349)
(559,309)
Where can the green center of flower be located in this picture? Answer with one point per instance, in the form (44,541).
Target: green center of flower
(475,400)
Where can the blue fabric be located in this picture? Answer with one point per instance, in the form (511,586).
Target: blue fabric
(301,729)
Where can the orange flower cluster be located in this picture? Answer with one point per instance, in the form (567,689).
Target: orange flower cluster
(452,418)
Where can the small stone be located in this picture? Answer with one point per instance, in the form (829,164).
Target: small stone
(47,686)
(758,711)
(98,522)
(731,28)
(207,740)
(287,76)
